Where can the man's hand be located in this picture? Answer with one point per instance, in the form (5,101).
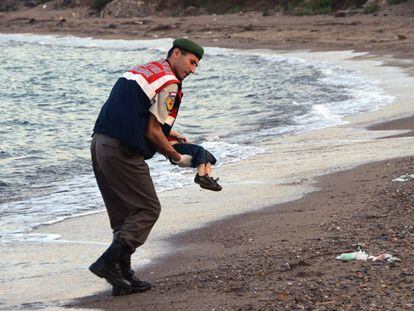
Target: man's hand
(155,135)
(182,139)
(185,161)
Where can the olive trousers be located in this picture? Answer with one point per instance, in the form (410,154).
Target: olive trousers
(127,190)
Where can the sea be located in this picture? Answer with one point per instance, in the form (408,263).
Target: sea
(52,89)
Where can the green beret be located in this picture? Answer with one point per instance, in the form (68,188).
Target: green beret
(189,46)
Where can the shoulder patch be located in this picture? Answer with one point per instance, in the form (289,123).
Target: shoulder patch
(171,100)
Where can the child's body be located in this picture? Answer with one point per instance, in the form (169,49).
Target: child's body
(202,159)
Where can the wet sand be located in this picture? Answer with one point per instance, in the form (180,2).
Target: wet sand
(283,257)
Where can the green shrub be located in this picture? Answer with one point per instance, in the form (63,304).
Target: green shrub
(392,2)
(371,8)
(99,4)
(326,10)
(321,4)
(236,9)
(302,10)
(300,7)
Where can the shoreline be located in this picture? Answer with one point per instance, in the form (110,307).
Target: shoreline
(284,256)
(387,32)
(199,253)
(166,289)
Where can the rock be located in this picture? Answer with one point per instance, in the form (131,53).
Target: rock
(281,296)
(267,12)
(126,8)
(62,19)
(248,27)
(30,3)
(340,14)
(62,4)
(193,11)
(162,27)
(8,5)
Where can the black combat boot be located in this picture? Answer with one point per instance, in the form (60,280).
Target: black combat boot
(137,285)
(108,266)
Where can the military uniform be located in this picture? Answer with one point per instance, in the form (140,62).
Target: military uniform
(118,159)
(119,149)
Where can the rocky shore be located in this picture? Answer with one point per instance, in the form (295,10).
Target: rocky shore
(388,31)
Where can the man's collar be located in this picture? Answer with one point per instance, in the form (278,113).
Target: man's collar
(181,81)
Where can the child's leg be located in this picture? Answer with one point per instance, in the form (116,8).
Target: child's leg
(208,169)
(202,169)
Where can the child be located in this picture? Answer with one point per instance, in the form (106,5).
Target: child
(202,159)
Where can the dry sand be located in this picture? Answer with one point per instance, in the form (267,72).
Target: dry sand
(388,32)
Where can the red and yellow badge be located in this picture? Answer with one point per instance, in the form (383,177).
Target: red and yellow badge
(171,100)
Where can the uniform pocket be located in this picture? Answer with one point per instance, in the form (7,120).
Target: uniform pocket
(108,141)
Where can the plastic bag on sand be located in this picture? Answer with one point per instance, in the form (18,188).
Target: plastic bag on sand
(404,177)
(359,255)
(385,257)
(362,255)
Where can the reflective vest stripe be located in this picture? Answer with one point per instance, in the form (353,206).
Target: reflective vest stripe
(151,88)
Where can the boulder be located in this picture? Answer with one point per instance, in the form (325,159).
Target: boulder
(340,14)
(193,11)
(267,12)
(30,3)
(8,5)
(126,8)
(380,3)
(162,27)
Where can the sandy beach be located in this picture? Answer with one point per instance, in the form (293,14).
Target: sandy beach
(267,253)
(388,32)
(283,257)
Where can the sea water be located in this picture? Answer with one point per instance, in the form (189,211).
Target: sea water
(237,105)
(52,89)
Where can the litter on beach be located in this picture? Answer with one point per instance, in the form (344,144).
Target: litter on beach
(358,255)
(362,255)
(404,177)
(385,257)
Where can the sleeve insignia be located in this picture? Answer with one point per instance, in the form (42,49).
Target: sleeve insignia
(171,100)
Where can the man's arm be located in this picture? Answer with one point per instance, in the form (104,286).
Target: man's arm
(155,135)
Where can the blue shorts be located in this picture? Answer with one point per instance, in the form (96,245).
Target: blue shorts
(199,154)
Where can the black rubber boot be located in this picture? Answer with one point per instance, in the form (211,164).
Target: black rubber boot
(137,285)
(108,266)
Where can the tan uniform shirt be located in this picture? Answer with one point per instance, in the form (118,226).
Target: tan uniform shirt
(161,103)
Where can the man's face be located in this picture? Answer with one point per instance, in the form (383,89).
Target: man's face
(183,64)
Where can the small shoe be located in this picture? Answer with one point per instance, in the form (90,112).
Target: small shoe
(207,182)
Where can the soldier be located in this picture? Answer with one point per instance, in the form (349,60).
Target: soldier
(130,129)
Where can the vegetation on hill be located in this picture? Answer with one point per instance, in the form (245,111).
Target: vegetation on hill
(175,7)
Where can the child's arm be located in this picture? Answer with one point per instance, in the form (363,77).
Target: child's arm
(181,139)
